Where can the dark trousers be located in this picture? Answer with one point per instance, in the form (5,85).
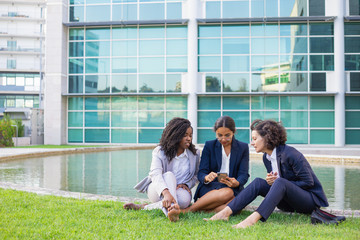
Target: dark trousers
(282,194)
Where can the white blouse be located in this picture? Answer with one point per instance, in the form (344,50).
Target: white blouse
(225,162)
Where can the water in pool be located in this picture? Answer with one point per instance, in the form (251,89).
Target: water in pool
(115,173)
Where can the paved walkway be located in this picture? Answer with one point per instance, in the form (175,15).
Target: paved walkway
(345,154)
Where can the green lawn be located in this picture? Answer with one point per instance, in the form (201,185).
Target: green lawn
(30,216)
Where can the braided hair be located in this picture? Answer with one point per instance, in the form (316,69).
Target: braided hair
(172,135)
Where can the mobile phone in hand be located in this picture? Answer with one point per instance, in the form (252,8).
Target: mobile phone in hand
(221,176)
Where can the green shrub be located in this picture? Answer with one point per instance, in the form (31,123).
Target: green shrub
(20,127)
(6,132)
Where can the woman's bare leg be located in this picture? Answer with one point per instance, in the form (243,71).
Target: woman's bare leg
(222,215)
(221,207)
(211,200)
(249,221)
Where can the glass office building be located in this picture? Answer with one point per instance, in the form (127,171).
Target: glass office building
(132,65)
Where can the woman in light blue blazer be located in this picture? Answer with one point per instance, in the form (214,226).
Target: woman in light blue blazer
(173,171)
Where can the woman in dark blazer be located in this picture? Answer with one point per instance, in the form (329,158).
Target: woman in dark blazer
(291,185)
(227,155)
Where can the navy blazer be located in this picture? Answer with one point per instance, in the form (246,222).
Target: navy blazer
(211,158)
(294,167)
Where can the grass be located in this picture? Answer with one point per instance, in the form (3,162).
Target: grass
(29,216)
(60,146)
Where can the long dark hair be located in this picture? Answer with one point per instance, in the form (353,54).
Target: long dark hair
(172,135)
(273,132)
(225,121)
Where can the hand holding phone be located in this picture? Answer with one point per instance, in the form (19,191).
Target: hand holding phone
(221,176)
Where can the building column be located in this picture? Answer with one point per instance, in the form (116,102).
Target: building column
(192,80)
(339,70)
(56,73)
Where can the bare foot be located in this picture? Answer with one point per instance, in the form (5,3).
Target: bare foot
(249,221)
(133,206)
(174,212)
(222,215)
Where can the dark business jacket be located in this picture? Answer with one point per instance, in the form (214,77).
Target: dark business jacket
(211,158)
(294,167)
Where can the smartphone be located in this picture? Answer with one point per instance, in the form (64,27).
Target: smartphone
(221,176)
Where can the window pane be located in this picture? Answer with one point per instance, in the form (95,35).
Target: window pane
(75,84)
(124,119)
(322,119)
(294,29)
(75,135)
(75,119)
(124,65)
(98,13)
(176,103)
(318,82)
(124,48)
(266,103)
(75,103)
(352,102)
(293,45)
(95,49)
(209,46)
(352,136)
(151,11)
(264,45)
(205,135)
(97,65)
(173,11)
(171,114)
(124,12)
(151,47)
(176,64)
(316,7)
(151,103)
(76,66)
(124,83)
(151,65)
(209,64)
(321,28)
(238,82)
(124,103)
(76,34)
(355,81)
(173,82)
(265,63)
(322,137)
(352,44)
(97,119)
(293,8)
(294,102)
(76,14)
(209,103)
(151,32)
(236,46)
(294,82)
(207,119)
(213,83)
(243,135)
(262,30)
(294,62)
(97,33)
(209,31)
(317,102)
(123,136)
(151,83)
(124,33)
(176,47)
(97,136)
(97,84)
(151,119)
(176,31)
(149,135)
(235,103)
(321,45)
(97,103)
(352,119)
(235,30)
(236,63)
(242,119)
(236,9)
(76,49)
(213,9)
(352,28)
(257,8)
(297,136)
(294,118)
(322,62)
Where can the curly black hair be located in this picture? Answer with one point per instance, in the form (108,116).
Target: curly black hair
(273,132)
(172,135)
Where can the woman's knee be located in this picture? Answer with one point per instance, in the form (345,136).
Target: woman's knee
(184,198)
(169,176)
(226,193)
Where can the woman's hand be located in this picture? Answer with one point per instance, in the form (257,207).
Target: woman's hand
(183,186)
(271,177)
(230,182)
(168,199)
(210,177)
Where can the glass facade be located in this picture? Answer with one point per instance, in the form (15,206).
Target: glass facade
(125,82)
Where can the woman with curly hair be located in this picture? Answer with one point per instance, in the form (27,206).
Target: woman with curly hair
(173,171)
(290,184)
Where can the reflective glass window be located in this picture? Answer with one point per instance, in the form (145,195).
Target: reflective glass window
(294,82)
(235,30)
(75,84)
(205,134)
(236,103)
(151,47)
(354,7)
(352,62)
(352,136)
(124,48)
(264,63)
(294,118)
(352,28)
(97,1)
(209,103)
(264,45)
(294,62)
(207,119)
(294,102)
(264,30)
(124,83)
(124,12)
(95,49)
(352,102)
(150,135)
(267,103)
(75,119)
(294,29)
(321,29)
(176,103)
(236,82)
(98,13)
(322,62)
(97,84)
(124,33)
(257,8)
(316,7)
(321,45)
(297,136)
(236,46)
(151,119)
(176,31)
(271,9)
(97,136)
(352,119)
(176,64)
(76,49)
(123,119)
(173,10)
(97,103)
(75,103)
(242,119)
(236,9)
(352,44)
(355,81)
(293,8)
(97,119)
(322,136)
(213,82)
(213,9)
(209,31)
(322,119)
(176,47)
(151,11)
(76,65)
(151,32)
(173,82)
(293,45)
(124,103)
(171,114)
(319,102)
(236,63)
(76,14)
(75,135)
(209,64)
(151,83)
(151,103)
(124,65)
(151,65)
(97,33)
(97,65)
(123,136)
(76,2)
(317,81)
(209,46)
(76,34)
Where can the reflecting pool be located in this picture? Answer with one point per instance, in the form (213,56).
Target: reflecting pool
(115,173)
